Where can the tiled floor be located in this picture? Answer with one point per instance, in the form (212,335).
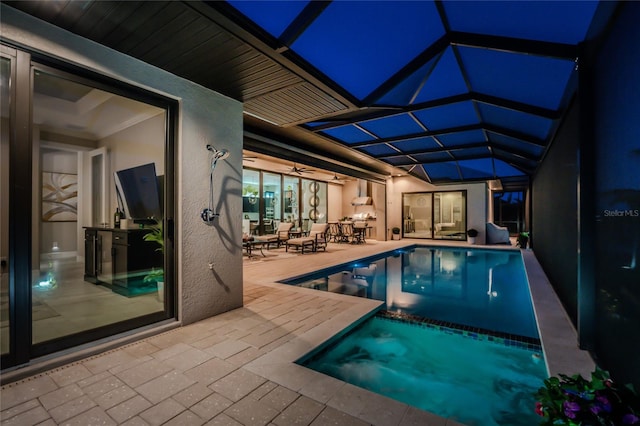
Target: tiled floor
(236,368)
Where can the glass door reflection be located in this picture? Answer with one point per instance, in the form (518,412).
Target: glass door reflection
(87,272)
(5,117)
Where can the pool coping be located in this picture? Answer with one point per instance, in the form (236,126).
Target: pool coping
(280,366)
(558,340)
(557,333)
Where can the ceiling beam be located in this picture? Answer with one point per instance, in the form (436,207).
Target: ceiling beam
(513,151)
(418,135)
(519,163)
(445,160)
(435,49)
(516,106)
(515,135)
(515,45)
(435,150)
(227,17)
(278,148)
(305,18)
(382,111)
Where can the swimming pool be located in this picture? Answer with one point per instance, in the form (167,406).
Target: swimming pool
(453,374)
(457,335)
(484,289)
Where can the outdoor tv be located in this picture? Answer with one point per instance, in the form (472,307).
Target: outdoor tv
(138,194)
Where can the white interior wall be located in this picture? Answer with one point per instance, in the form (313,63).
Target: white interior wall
(349,192)
(62,233)
(140,144)
(334,202)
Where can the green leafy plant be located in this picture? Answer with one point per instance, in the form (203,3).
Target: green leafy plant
(156,235)
(472,233)
(395,230)
(249,190)
(523,239)
(576,401)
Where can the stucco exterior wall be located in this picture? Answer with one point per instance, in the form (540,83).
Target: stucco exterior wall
(206,117)
(334,200)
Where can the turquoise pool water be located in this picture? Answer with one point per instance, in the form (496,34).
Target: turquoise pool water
(457,335)
(485,289)
(467,378)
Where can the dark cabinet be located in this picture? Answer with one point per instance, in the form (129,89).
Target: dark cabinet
(132,258)
(90,255)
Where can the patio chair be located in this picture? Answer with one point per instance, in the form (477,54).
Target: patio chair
(281,235)
(346,232)
(268,226)
(319,231)
(497,234)
(359,230)
(253,227)
(334,232)
(316,240)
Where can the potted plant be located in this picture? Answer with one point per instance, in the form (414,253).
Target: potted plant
(471,236)
(395,233)
(565,400)
(523,240)
(156,235)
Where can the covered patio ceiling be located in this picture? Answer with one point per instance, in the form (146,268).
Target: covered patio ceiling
(447,91)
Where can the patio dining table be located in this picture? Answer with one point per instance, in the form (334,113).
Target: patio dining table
(251,244)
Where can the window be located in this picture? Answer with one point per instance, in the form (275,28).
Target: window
(284,199)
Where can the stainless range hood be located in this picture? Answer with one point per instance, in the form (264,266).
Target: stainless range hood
(364,194)
(361,201)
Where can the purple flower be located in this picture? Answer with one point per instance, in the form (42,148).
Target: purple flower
(570,409)
(595,409)
(604,403)
(630,419)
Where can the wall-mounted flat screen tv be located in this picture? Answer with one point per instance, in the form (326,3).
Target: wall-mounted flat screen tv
(138,193)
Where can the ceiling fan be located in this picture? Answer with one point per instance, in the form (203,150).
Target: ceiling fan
(337,178)
(299,170)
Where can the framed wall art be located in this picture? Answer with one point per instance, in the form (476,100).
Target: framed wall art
(59,197)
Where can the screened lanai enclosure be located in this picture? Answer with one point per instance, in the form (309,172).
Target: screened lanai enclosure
(446,91)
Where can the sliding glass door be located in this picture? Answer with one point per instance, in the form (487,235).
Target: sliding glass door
(272,196)
(291,211)
(7,63)
(92,260)
(436,215)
